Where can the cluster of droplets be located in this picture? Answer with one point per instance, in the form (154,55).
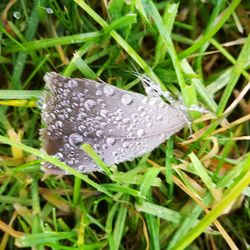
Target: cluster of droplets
(118,124)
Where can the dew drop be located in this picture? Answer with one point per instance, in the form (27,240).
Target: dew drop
(149,124)
(159,118)
(72,84)
(103,124)
(99,133)
(82,128)
(115,154)
(59,155)
(89,104)
(98,92)
(108,90)
(110,141)
(80,168)
(17,14)
(49,11)
(140,132)
(140,108)
(126,99)
(75,139)
(104,113)
(126,144)
(96,147)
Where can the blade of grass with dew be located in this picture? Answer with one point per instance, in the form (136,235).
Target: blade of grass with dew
(123,189)
(168,165)
(159,211)
(109,225)
(152,223)
(84,68)
(71,67)
(96,158)
(133,178)
(76,191)
(123,21)
(36,220)
(164,32)
(168,19)
(146,184)
(20,94)
(52,42)
(42,238)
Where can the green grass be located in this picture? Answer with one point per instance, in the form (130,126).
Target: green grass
(191,192)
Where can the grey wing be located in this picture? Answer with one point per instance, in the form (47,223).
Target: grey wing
(120,125)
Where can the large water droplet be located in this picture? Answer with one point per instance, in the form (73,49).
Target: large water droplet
(126,144)
(17,14)
(59,124)
(140,108)
(89,104)
(108,90)
(59,155)
(97,147)
(126,99)
(115,154)
(80,168)
(75,139)
(159,118)
(110,141)
(82,128)
(98,92)
(49,11)
(72,84)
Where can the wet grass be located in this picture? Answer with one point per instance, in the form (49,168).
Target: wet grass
(191,192)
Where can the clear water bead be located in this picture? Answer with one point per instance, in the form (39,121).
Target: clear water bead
(110,141)
(17,14)
(89,104)
(75,139)
(108,90)
(126,99)
(140,132)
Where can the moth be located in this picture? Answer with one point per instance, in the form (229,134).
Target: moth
(120,125)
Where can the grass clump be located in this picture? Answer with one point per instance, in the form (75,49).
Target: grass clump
(191,192)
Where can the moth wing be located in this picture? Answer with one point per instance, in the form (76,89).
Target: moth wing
(120,125)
